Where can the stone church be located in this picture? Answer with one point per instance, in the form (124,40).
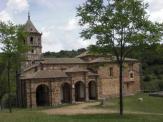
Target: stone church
(86,77)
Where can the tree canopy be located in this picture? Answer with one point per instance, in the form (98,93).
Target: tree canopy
(118,26)
(118,23)
(13,53)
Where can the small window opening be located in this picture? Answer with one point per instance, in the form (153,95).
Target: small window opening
(131,75)
(111,71)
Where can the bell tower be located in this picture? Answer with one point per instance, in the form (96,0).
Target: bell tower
(33,56)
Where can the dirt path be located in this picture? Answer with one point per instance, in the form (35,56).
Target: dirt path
(88,108)
(81,108)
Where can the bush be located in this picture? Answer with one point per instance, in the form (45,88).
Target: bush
(5,100)
(161,85)
(147,78)
(150,86)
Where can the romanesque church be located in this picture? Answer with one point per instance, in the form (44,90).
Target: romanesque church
(86,77)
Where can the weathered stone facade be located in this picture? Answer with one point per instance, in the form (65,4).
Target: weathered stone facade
(50,81)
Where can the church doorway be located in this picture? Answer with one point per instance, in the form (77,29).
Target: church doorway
(66,93)
(79,91)
(92,90)
(42,95)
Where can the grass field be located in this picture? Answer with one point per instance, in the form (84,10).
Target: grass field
(151,105)
(131,103)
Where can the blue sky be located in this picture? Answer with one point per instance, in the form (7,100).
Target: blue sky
(57,20)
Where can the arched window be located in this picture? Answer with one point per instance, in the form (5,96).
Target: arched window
(31,40)
(32,51)
(131,75)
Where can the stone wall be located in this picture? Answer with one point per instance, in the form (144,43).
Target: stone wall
(109,85)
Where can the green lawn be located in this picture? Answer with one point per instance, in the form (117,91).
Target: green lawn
(150,105)
(27,116)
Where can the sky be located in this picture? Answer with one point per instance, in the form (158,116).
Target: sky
(57,21)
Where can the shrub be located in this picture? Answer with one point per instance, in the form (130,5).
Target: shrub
(5,100)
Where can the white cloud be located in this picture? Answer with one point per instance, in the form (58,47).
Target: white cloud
(17,5)
(53,39)
(155,10)
(156,16)
(13,7)
(81,43)
(72,24)
(4,16)
(50,39)
(155,5)
(45,3)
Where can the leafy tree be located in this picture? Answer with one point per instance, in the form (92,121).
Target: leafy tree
(118,26)
(12,39)
(152,67)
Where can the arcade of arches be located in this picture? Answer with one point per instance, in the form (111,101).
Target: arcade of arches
(68,93)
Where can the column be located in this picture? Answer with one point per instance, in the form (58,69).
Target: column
(33,96)
(86,93)
(73,94)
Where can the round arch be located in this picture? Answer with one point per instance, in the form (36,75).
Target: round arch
(79,91)
(65,93)
(42,95)
(92,86)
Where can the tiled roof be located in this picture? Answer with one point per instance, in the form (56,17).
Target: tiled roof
(112,59)
(130,59)
(62,61)
(100,60)
(76,69)
(126,59)
(92,74)
(30,67)
(87,53)
(46,74)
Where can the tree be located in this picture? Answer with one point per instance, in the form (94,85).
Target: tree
(118,26)
(12,39)
(151,59)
